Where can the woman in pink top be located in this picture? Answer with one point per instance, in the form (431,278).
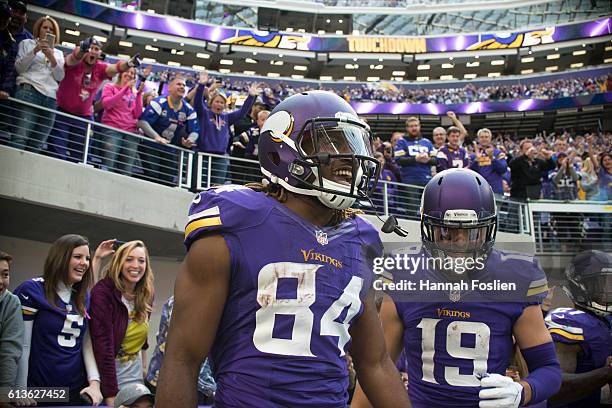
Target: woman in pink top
(122,104)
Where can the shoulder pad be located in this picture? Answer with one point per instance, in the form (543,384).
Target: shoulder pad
(226,208)
(567,325)
(525,270)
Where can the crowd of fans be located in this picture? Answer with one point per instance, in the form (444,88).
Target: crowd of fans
(140,124)
(388,92)
(85,327)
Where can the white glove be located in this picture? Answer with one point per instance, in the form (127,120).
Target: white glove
(499,392)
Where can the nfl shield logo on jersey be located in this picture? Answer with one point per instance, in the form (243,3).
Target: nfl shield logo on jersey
(322,238)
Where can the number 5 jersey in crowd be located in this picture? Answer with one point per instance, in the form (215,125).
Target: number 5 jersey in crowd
(57,336)
(295,291)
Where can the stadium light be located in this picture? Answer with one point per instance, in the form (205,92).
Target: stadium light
(448,66)
(76,33)
(250,61)
(373,79)
(577,65)
(423,67)
(248,72)
(582,52)
(226,62)
(151,48)
(469,76)
(398,73)
(300,68)
(273,74)
(494,74)
(553,56)
(498,62)
(472,64)
(295,76)
(422,78)
(552,68)
(526,60)
(224,71)
(350,78)
(325,78)
(446,77)
(173,64)
(203,55)
(526,71)
(125,44)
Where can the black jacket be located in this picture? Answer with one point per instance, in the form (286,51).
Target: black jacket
(527,176)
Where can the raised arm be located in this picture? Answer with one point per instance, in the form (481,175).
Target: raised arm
(376,371)
(200,292)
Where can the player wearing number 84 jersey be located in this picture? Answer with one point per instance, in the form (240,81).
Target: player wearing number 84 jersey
(277,284)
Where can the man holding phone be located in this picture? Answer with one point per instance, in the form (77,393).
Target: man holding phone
(85,73)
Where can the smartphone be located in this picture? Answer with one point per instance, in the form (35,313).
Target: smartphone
(50,38)
(117,244)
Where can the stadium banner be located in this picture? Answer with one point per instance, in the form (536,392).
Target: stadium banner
(305,42)
(522,105)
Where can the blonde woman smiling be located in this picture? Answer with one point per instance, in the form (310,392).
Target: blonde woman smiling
(121,305)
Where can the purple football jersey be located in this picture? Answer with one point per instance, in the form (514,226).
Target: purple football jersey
(449,158)
(449,344)
(295,290)
(592,334)
(56,358)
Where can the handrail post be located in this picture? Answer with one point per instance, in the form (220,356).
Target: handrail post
(86,148)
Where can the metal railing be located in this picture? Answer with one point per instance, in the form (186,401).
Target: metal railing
(568,228)
(57,134)
(83,141)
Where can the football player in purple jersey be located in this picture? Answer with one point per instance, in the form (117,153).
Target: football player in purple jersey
(276,287)
(583,334)
(459,343)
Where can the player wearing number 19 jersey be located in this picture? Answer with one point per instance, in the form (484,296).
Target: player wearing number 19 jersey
(277,285)
(459,346)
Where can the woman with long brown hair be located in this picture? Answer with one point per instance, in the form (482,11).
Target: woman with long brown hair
(121,305)
(57,349)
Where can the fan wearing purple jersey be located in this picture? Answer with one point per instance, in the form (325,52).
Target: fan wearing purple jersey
(458,344)
(276,287)
(57,350)
(583,334)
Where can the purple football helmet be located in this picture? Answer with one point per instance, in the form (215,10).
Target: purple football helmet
(314,144)
(589,281)
(458,215)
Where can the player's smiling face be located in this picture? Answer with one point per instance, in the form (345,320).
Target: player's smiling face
(79,264)
(135,265)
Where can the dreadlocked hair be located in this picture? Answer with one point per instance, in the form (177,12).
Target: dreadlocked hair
(280,194)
